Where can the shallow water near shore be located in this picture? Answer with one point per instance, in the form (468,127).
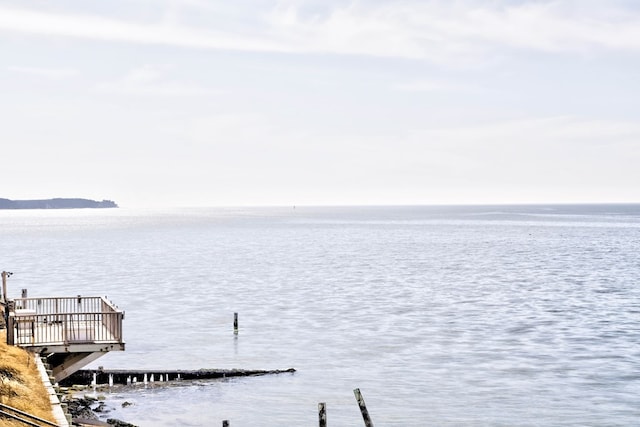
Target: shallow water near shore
(448,316)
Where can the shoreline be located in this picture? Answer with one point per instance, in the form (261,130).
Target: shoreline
(62,418)
(25,385)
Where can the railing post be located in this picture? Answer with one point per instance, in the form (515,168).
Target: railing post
(10,328)
(23,303)
(65,329)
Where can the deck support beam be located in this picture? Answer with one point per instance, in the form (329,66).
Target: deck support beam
(65,364)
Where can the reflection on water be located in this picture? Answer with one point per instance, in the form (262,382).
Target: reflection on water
(518,316)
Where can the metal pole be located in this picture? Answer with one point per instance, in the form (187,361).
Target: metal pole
(4,286)
(5,302)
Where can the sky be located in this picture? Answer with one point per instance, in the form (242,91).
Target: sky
(320,102)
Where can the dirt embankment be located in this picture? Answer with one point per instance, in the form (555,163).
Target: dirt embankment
(20,383)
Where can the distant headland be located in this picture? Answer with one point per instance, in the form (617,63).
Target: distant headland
(57,203)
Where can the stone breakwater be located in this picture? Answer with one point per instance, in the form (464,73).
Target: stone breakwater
(87,405)
(131,376)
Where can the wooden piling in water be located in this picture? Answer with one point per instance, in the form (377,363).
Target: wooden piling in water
(322,414)
(235,323)
(363,408)
(225,423)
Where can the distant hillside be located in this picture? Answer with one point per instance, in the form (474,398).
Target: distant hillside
(55,204)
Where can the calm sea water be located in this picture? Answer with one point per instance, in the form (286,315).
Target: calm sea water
(442,316)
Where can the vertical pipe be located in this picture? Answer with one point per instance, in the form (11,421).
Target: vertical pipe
(4,286)
(5,303)
(363,408)
(322,414)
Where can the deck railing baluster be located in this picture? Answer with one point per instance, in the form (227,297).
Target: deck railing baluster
(64,320)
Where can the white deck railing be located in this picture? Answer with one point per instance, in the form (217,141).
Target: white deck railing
(64,321)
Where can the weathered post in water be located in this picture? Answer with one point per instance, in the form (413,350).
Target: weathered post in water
(225,423)
(322,414)
(235,323)
(363,408)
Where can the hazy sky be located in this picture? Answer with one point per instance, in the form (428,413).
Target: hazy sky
(196,102)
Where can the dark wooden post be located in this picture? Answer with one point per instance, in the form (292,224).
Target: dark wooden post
(225,423)
(235,323)
(322,414)
(10,323)
(363,408)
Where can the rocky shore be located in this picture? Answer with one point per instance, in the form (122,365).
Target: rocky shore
(92,411)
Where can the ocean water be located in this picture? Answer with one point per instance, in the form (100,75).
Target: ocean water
(442,316)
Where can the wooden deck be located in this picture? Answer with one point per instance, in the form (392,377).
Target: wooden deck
(69,331)
(39,323)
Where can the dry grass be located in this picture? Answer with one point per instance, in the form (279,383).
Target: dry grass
(20,383)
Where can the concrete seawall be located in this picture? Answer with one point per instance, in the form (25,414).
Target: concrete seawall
(56,406)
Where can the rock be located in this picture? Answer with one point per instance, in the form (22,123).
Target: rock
(118,423)
(101,408)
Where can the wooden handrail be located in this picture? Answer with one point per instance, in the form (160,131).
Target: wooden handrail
(53,305)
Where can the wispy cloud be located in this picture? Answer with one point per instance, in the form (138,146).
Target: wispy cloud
(49,73)
(433,86)
(108,29)
(152,80)
(433,30)
(460,31)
